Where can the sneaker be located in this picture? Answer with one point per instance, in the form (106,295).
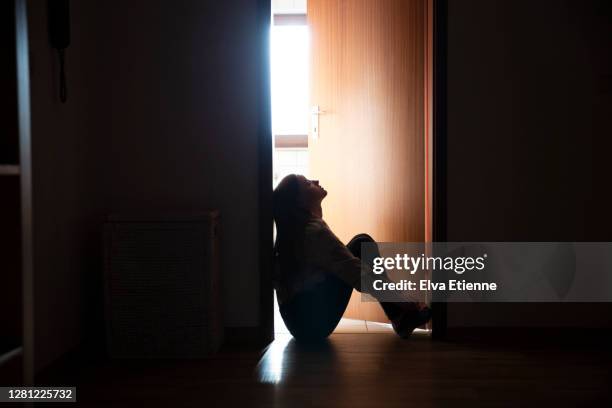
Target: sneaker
(410,320)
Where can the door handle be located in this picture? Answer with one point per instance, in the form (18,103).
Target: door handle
(315,111)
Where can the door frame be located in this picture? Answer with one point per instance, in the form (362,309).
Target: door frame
(439,147)
(264,332)
(265,329)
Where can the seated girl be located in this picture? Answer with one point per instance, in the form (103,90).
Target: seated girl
(315,273)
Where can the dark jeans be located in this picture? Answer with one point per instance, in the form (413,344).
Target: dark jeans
(314,313)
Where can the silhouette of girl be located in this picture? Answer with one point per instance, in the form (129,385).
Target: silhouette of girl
(315,272)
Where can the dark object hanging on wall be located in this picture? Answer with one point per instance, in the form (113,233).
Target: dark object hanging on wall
(58,12)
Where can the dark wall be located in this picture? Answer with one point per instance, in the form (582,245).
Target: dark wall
(10,288)
(8,109)
(529,107)
(183,96)
(162,115)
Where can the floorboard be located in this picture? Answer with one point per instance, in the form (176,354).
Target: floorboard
(353,370)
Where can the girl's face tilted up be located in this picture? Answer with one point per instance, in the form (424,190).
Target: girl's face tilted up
(310,193)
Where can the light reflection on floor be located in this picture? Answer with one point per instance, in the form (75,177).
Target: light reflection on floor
(270,366)
(285,358)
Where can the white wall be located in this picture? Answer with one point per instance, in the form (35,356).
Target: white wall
(289,6)
(289,161)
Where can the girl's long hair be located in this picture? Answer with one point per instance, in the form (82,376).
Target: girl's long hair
(290,220)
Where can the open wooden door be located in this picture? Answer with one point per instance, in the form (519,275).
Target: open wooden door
(368,79)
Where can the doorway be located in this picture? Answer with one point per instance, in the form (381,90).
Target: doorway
(351,86)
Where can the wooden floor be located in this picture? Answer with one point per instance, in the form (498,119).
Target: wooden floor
(355,370)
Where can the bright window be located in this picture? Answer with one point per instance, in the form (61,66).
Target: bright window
(289,66)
